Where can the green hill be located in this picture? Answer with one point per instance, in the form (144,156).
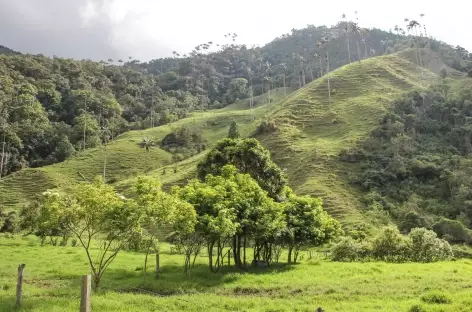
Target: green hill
(310,133)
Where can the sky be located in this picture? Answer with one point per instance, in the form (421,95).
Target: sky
(148,29)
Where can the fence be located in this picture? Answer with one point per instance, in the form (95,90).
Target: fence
(85,297)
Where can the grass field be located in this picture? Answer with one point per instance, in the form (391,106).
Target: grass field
(52,284)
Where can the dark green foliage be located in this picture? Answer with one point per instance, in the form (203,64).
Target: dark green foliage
(412,220)
(233,132)
(348,250)
(452,230)
(417,158)
(184,141)
(248,156)
(8,222)
(417,308)
(436,298)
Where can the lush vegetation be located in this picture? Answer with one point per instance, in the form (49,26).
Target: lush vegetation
(415,165)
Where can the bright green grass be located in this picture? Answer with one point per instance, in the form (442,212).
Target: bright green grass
(311,132)
(52,284)
(126,159)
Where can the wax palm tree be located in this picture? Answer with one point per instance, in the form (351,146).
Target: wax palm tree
(147,144)
(346,31)
(357,30)
(284,66)
(105,134)
(323,43)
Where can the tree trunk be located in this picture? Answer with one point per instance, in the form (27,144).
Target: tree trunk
(2,159)
(321,67)
(290,248)
(244,250)
(105,164)
(145,265)
(327,74)
(285,89)
(348,48)
(85,121)
(365,46)
(157,261)
(358,50)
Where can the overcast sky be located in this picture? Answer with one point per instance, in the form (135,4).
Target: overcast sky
(146,29)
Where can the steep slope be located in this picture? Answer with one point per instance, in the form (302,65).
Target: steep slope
(311,132)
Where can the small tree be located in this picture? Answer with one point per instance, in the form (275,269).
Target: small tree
(94,212)
(307,224)
(160,208)
(233,132)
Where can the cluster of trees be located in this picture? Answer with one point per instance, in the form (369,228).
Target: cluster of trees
(420,245)
(230,211)
(415,165)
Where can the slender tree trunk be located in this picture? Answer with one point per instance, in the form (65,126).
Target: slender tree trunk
(365,46)
(321,67)
(327,74)
(290,249)
(285,89)
(145,265)
(348,48)
(358,50)
(3,154)
(105,164)
(244,250)
(157,261)
(85,121)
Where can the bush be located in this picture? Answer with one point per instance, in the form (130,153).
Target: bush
(348,250)
(426,247)
(410,221)
(267,127)
(452,230)
(390,246)
(74,242)
(417,308)
(436,298)
(462,252)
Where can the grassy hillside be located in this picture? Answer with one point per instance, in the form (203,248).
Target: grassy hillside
(126,159)
(310,135)
(311,132)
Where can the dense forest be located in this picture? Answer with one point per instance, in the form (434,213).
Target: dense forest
(416,164)
(51,108)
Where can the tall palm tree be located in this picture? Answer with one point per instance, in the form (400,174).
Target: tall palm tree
(105,137)
(147,144)
(323,43)
(284,66)
(346,31)
(357,30)
(4,142)
(268,78)
(318,56)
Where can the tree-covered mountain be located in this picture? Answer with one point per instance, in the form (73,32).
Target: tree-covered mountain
(52,107)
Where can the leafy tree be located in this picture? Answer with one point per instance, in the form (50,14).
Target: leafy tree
(94,212)
(160,209)
(426,247)
(307,224)
(233,132)
(249,157)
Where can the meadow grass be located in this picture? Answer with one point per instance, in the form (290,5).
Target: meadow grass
(52,283)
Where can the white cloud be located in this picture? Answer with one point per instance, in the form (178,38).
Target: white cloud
(150,28)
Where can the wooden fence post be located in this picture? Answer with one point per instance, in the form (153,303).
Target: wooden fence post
(85,303)
(19,284)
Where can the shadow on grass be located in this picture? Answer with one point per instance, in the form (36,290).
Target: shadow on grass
(171,279)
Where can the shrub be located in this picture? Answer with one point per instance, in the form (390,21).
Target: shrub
(74,242)
(452,230)
(436,298)
(347,250)
(462,252)
(412,220)
(417,308)
(426,247)
(267,127)
(390,246)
